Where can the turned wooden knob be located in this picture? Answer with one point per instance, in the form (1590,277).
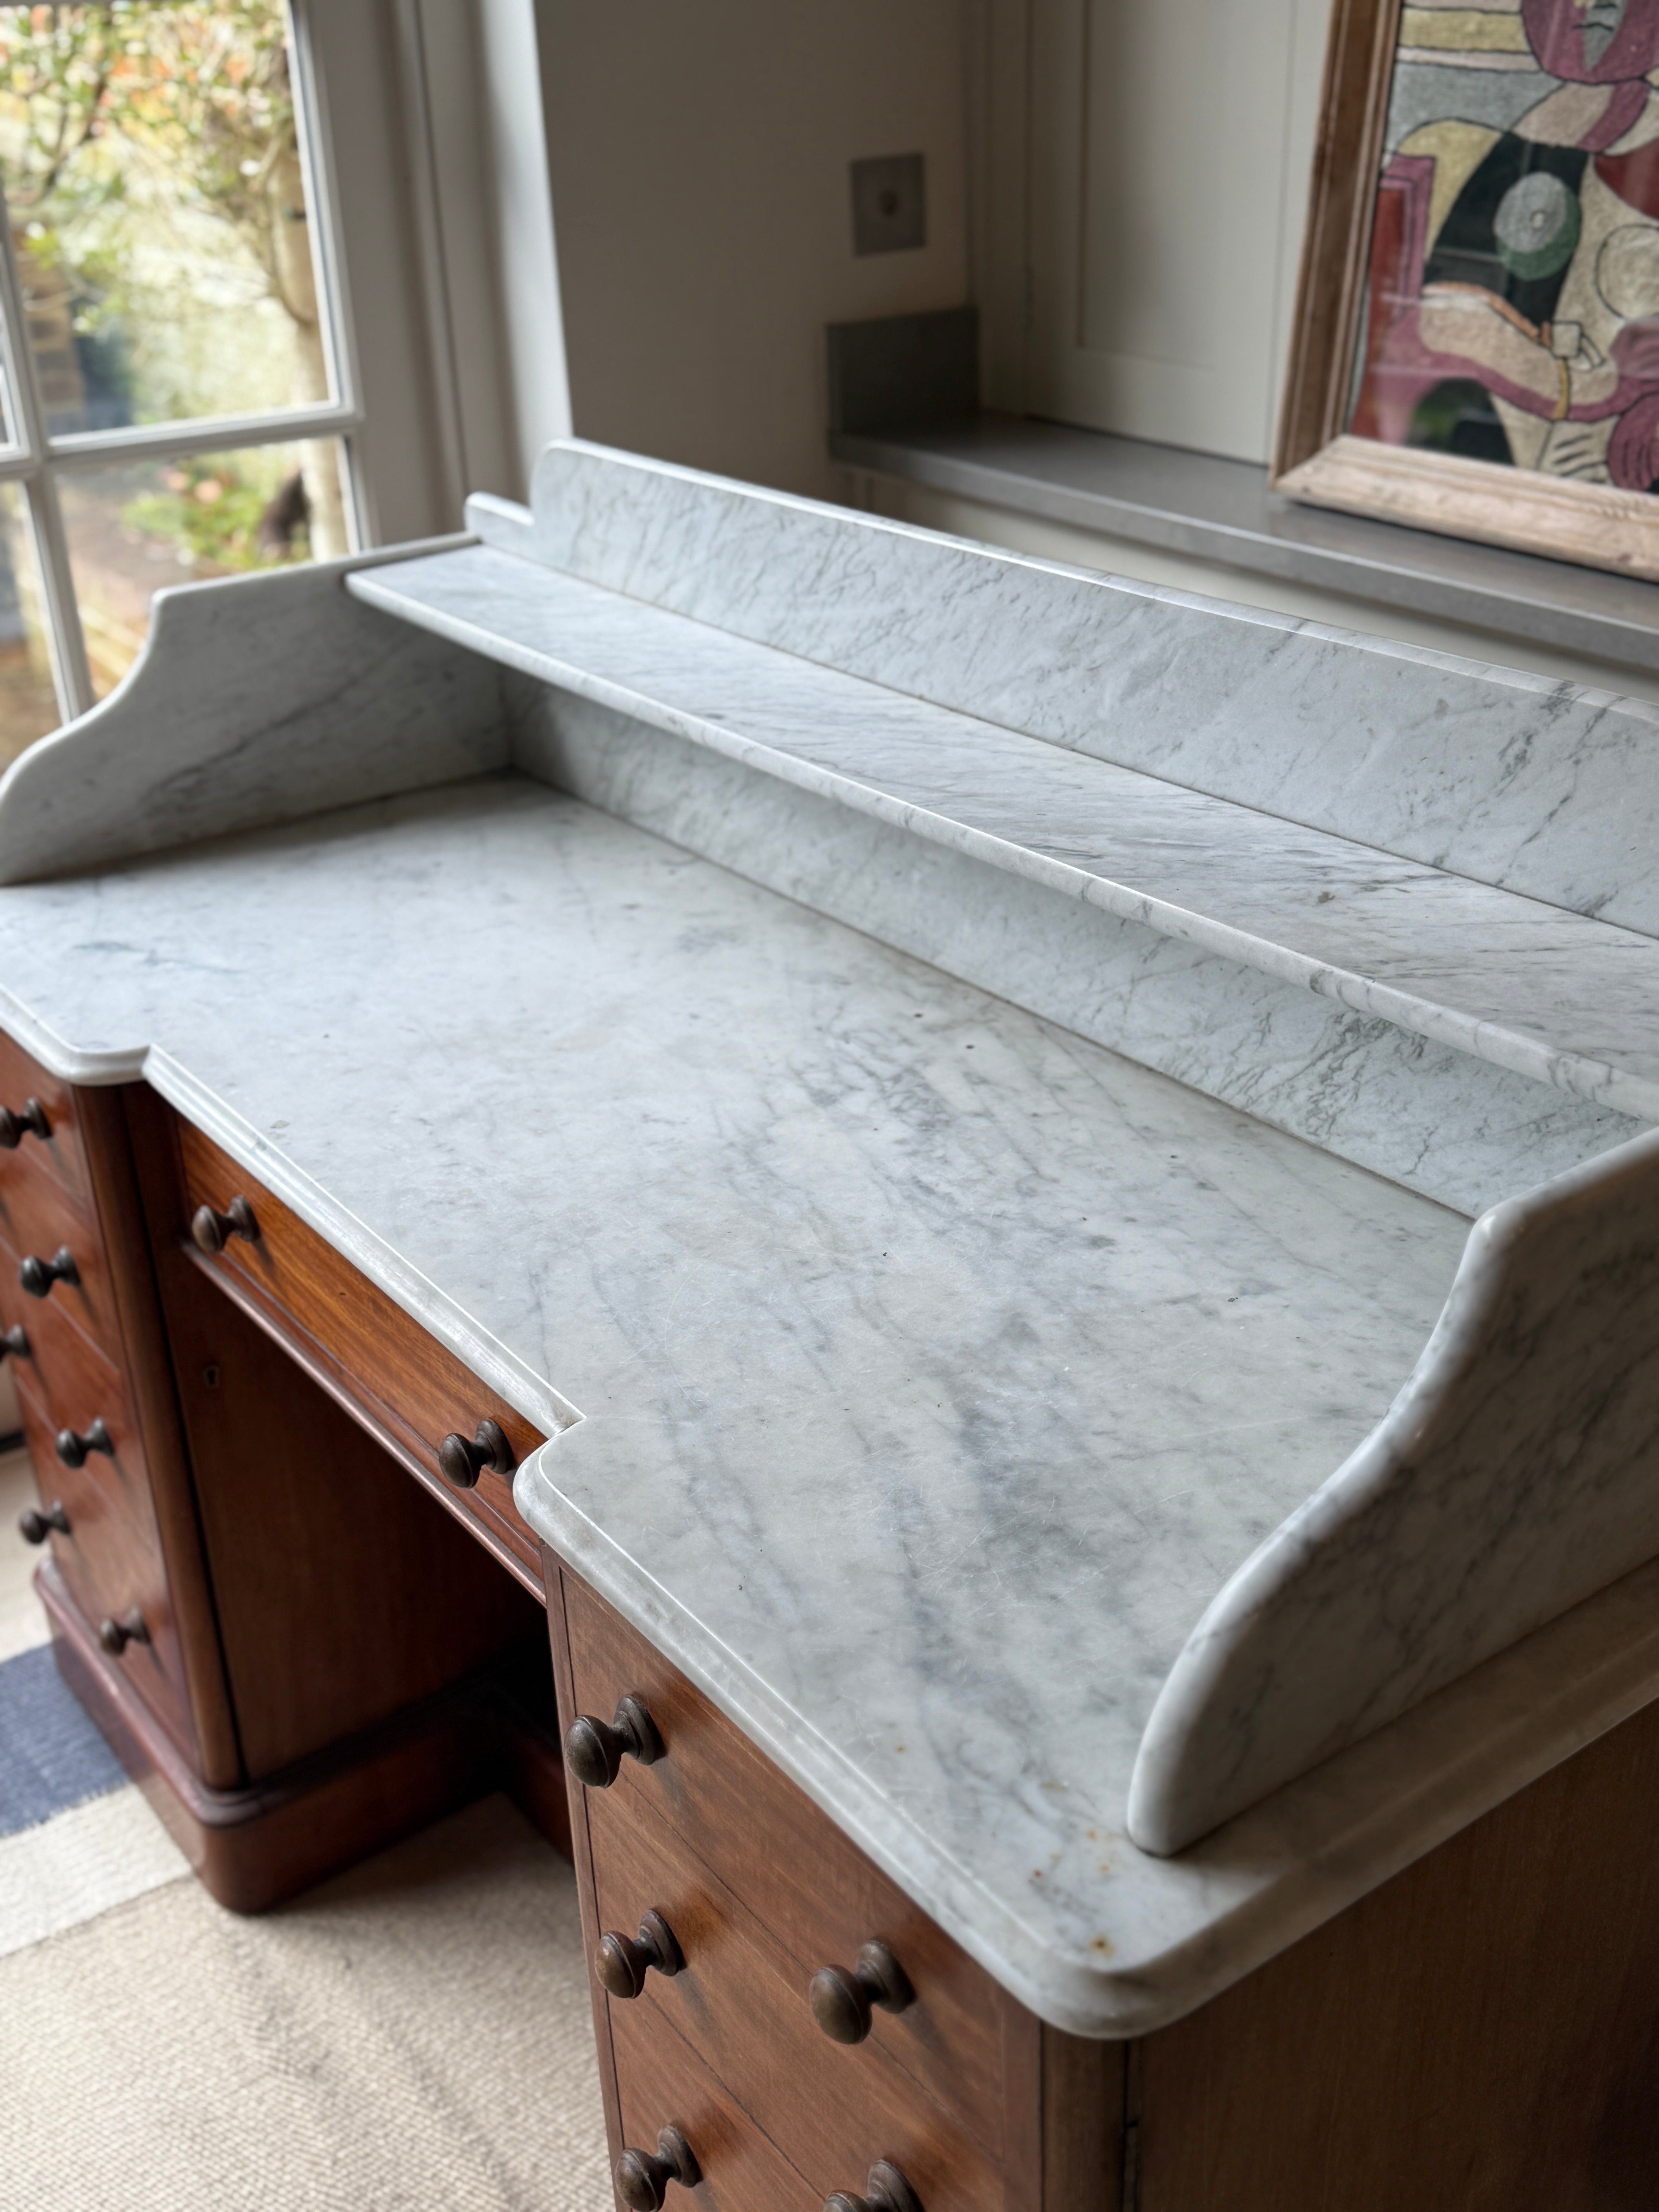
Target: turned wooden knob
(594,1750)
(885,2190)
(35,1528)
(31,1122)
(462,1463)
(841,2000)
(37,1276)
(212,1231)
(623,1961)
(116,1635)
(643,2181)
(72,1446)
(13,1342)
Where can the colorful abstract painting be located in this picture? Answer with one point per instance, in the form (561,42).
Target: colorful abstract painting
(1512,296)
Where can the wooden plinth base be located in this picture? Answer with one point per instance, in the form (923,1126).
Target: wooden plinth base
(254,1847)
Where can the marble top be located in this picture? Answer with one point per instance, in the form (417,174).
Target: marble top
(1542,990)
(933,1365)
(918,1376)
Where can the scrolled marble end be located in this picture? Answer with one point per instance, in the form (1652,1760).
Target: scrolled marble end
(256,700)
(1516,1474)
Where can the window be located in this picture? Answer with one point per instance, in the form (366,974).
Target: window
(180,394)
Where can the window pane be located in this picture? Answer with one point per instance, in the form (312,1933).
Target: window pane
(28,699)
(134,526)
(158,208)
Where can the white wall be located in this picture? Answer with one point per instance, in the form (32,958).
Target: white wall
(702,209)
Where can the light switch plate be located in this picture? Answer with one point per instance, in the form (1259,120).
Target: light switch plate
(890,203)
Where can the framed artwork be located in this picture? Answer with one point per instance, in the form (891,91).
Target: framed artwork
(1476,344)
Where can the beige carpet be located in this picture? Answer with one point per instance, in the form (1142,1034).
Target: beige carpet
(413,2037)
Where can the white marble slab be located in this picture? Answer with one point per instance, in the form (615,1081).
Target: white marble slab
(858,1300)
(1517,1474)
(1542,991)
(1509,778)
(256,699)
(918,1373)
(874,1292)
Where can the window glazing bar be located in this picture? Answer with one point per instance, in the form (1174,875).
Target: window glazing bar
(222,434)
(70,672)
(312,126)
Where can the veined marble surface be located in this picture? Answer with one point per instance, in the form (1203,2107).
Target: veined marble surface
(1513,1477)
(256,699)
(1511,779)
(1540,991)
(855,1298)
(874,1292)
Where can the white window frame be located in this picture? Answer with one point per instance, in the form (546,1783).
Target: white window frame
(432,231)
(37,461)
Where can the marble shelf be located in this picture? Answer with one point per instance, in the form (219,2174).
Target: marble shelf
(1540,990)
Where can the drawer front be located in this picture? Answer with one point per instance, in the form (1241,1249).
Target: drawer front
(62,1364)
(409,1390)
(660,2082)
(833,2109)
(791,1866)
(110,1560)
(60,1153)
(36,1217)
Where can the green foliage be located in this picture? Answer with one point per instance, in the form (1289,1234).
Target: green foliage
(203,91)
(210,509)
(150,158)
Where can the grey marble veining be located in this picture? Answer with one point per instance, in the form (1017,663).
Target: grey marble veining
(872,1292)
(1538,990)
(855,1300)
(1513,1477)
(1543,786)
(1032,1452)
(256,699)
(1455,1128)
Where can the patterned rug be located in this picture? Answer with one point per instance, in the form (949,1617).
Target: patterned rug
(415,2033)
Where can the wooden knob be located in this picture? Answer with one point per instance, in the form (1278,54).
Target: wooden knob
(643,2181)
(31,1122)
(116,1635)
(594,1750)
(840,2002)
(886,2190)
(212,1231)
(37,1526)
(72,1446)
(14,1343)
(623,1961)
(37,1276)
(462,1463)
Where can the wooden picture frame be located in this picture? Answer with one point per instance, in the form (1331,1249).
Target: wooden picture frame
(1407,240)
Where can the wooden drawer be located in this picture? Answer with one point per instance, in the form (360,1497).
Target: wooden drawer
(741,2000)
(110,1560)
(792,1868)
(62,1363)
(406,1388)
(61,1153)
(660,2082)
(37,1216)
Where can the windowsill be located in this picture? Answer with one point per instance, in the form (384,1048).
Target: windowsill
(1222,511)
